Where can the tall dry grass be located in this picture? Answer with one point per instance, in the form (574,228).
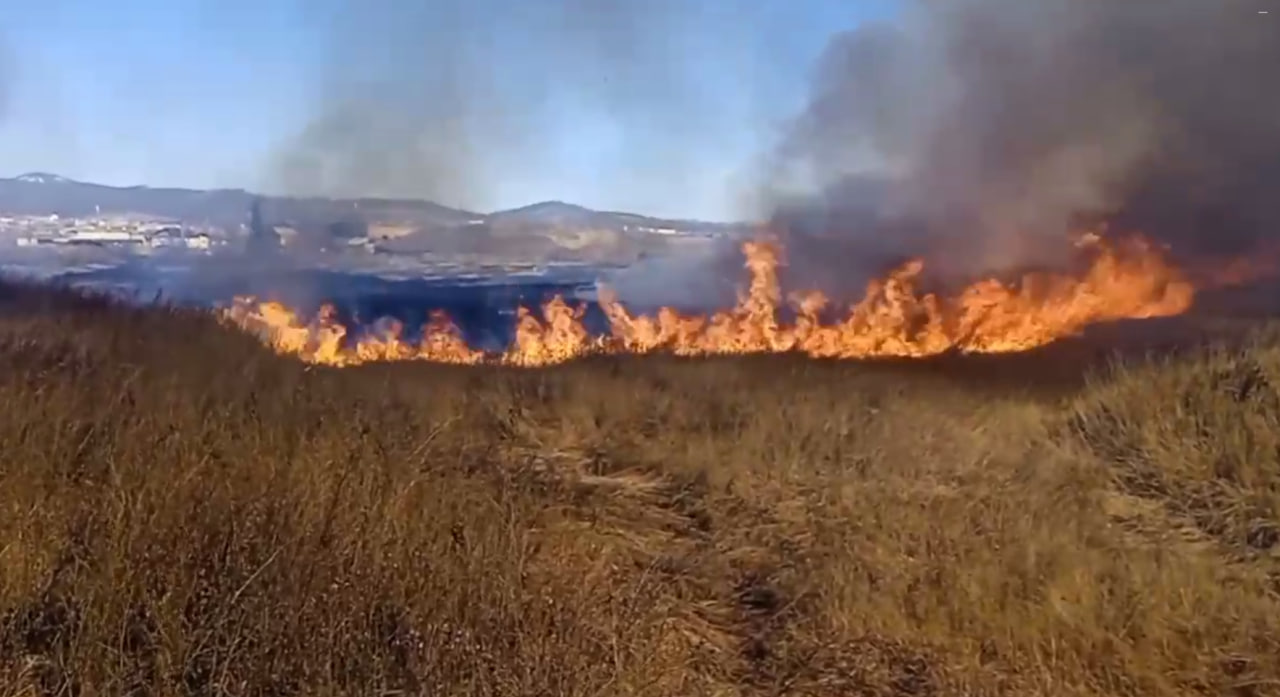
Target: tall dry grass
(183,514)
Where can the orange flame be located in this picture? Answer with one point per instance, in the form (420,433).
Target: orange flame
(1126,280)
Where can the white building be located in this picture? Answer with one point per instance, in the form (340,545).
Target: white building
(100,236)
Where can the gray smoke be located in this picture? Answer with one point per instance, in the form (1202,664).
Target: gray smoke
(981,130)
(7,76)
(424,100)
(698,277)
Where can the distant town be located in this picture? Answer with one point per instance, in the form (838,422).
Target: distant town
(117,231)
(51,225)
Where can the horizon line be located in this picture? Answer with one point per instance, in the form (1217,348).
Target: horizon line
(41,173)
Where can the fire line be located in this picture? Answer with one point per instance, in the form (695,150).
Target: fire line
(1127,278)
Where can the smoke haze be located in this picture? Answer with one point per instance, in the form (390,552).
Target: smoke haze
(7,69)
(981,130)
(411,101)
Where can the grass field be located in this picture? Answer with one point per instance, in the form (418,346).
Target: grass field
(182,513)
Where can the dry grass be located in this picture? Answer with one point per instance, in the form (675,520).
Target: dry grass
(183,514)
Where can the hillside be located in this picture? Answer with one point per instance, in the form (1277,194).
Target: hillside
(184,513)
(40,193)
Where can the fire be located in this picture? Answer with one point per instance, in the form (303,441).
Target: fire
(321,340)
(1130,279)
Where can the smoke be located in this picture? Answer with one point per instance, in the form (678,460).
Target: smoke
(7,77)
(445,100)
(698,277)
(396,113)
(982,130)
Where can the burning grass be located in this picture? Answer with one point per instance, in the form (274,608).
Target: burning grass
(1122,277)
(184,512)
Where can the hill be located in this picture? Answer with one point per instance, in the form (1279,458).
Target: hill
(40,193)
(184,513)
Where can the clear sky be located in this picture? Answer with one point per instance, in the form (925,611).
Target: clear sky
(656,106)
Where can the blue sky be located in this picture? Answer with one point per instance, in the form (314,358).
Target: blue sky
(657,106)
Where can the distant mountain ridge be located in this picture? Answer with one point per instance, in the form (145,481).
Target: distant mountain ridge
(43,193)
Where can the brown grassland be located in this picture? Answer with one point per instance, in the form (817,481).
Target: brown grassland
(182,513)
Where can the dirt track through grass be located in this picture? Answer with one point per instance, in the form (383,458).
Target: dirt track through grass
(183,514)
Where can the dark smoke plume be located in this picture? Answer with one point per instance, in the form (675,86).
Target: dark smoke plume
(980,131)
